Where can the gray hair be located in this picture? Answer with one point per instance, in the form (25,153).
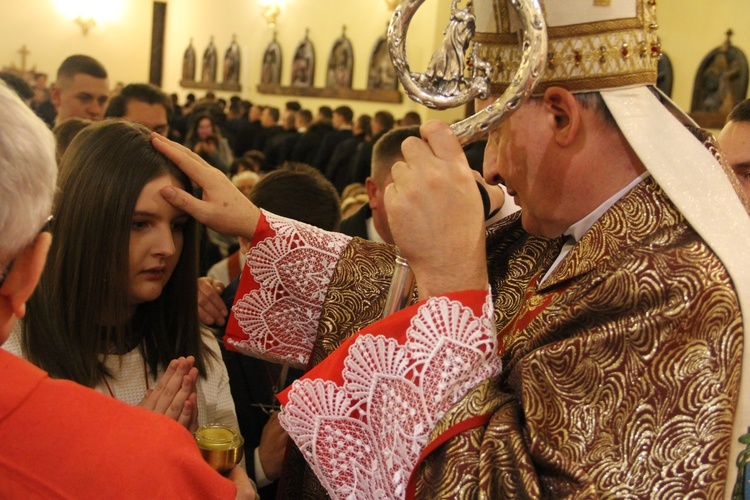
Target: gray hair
(28,174)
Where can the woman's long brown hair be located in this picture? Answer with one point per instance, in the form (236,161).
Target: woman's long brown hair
(86,276)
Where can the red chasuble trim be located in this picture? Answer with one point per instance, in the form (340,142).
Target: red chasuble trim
(394,326)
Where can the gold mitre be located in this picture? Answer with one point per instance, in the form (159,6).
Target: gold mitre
(593,44)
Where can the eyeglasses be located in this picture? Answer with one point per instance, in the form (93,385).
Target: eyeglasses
(47,227)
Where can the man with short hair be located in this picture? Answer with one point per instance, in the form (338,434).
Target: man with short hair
(381,123)
(371,220)
(340,166)
(142,103)
(734,141)
(307,147)
(277,148)
(104,448)
(269,122)
(342,130)
(81,89)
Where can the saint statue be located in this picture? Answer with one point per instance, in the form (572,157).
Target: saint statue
(446,67)
(232,63)
(340,64)
(188,63)
(208,74)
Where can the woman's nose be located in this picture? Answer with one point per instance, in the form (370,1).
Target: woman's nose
(164,244)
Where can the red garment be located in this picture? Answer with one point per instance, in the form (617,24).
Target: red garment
(62,440)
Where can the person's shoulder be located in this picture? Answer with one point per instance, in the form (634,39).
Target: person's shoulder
(132,448)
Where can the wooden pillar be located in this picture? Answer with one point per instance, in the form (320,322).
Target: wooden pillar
(158,27)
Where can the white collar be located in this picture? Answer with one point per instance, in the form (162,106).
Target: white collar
(372,233)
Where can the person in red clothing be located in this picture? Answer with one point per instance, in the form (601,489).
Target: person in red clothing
(60,439)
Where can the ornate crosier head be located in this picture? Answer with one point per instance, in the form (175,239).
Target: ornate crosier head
(445,85)
(582,45)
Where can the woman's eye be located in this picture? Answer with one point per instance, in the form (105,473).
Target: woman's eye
(179,225)
(139,224)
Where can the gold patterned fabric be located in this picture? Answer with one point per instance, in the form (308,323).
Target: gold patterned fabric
(624,386)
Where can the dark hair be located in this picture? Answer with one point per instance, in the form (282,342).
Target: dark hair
(385,119)
(301,192)
(86,276)
(192,134)
(306,115)
(79,63)
(326,112)
(363,122)
(17,84)
(740,113)
(247,163)
(143,92)
(65,132)
(387,151)
(293,105)
(246,105)
(411,118)
(274,112)
(345,112)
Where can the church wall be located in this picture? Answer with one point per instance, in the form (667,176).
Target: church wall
(689,29)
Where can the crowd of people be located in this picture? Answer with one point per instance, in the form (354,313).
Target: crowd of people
(577,332)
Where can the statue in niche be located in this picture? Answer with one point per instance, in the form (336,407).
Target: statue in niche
(340,64)
(721,81)
(303,65)
(232,62)
(208,71)
(188,63)
(381,73)
(271,70)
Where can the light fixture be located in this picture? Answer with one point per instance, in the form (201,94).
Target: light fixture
(85,24)
(271,10)
(90,13)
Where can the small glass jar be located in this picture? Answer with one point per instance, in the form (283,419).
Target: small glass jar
(221,446)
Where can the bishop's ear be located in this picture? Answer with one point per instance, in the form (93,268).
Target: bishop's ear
(24,275)
(565,114)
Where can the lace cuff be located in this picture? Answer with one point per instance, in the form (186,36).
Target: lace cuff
(364,415)
(282,290)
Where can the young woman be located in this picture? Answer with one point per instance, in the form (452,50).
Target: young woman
(116,303)
(205,139)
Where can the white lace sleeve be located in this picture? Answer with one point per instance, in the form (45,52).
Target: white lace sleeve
(290,269)
(363,437)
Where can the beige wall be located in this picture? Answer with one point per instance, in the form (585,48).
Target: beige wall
(689,30)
